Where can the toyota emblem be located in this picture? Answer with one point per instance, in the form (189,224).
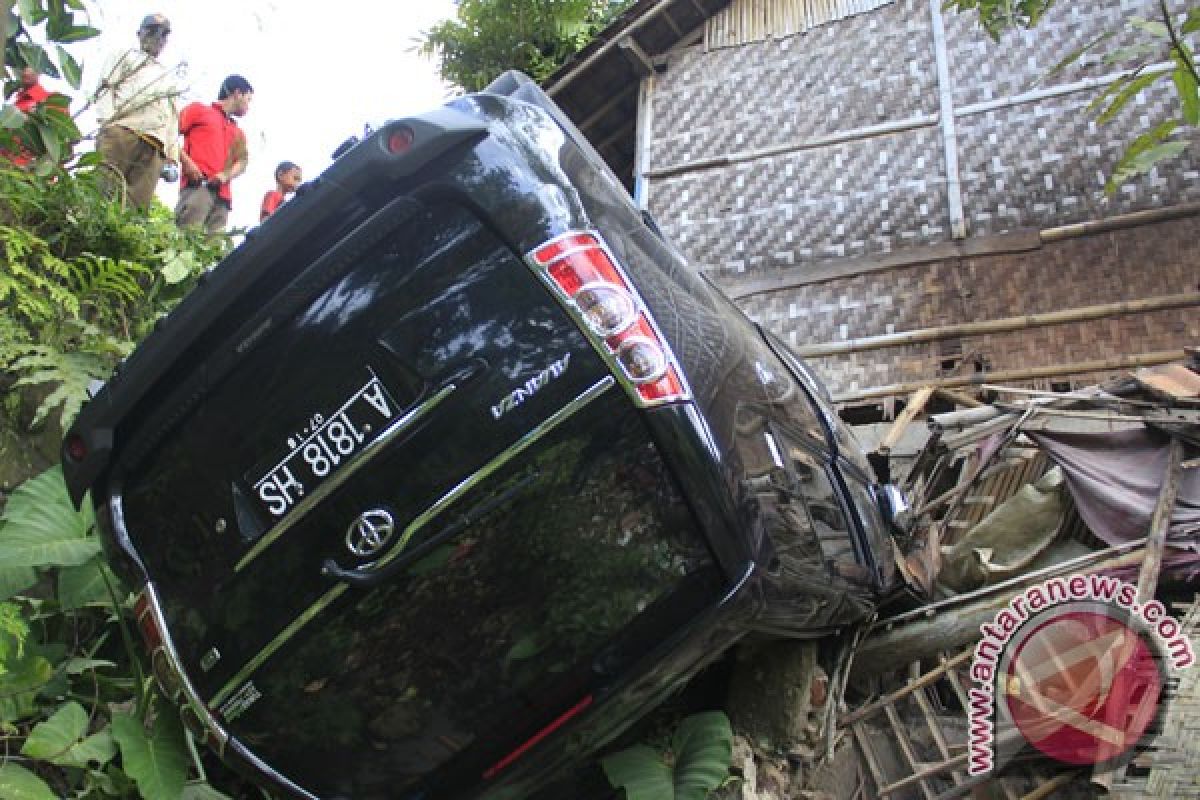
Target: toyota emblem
(369,533)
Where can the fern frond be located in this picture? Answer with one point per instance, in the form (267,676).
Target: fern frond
(72,372)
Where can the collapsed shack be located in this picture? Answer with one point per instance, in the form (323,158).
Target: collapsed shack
(1007,490)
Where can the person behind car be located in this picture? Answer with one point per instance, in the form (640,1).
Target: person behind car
(287,177)
(136,105)
(214,154)
(32,93)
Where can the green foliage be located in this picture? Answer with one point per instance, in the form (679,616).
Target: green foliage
(998,16)
(29,27)
(698,762)
(81,280)
(1165,39)
(72,696)
(488,37)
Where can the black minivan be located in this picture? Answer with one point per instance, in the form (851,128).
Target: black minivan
(454,468)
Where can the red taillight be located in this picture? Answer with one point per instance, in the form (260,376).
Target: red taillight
(75,448)
(611,313)
(400,140)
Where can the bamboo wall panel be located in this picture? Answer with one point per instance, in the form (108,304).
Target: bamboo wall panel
(754,20)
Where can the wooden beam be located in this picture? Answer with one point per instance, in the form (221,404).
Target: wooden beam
(672,23)
(607,106)
(1003,325)
(636,56)
(1004,376)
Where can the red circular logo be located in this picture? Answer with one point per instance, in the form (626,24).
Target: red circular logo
(1082,687)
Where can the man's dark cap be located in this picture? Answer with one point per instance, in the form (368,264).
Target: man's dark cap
(155,21)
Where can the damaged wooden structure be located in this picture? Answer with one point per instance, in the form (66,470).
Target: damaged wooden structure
(1010,487)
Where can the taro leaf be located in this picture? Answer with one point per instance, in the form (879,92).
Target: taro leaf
(86,585)
(53,737)
(640,771)
(42,529)
(157,762)
(18,783)
(61,740)
(703,745)
(98,749)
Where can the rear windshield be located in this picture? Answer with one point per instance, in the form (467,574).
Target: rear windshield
(498,630)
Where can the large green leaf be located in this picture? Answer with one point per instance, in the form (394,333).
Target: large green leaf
(157,762)
(641,772)
(703,745)
(86,585)
(18,783)
(40,527)
(52,738)
(63,740)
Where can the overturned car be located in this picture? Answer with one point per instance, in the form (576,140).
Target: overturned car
(454,468)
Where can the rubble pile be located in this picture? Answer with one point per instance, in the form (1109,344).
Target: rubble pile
(1007,490)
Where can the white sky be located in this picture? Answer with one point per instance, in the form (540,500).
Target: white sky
(320,71)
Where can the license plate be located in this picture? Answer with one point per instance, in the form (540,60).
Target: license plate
(322,445)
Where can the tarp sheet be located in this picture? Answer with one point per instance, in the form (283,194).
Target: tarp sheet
(1116,478)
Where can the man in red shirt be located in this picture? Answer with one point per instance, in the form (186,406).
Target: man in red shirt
(214,153)
(32,92)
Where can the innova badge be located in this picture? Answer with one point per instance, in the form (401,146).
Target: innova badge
(370,532)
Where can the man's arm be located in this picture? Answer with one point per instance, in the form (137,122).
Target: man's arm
(239,159)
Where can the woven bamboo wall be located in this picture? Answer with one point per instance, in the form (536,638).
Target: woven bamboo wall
(1135,263)
(834,151)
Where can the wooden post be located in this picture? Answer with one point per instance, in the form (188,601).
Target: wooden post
(1160,524)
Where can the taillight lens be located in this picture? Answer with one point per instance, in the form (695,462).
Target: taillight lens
(400,140)
(606,308)
(75,448)
(596,291)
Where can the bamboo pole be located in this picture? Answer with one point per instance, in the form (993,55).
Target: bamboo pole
(1050,371)
(958,398)
(1004,325)
(916,404)
(957,625)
